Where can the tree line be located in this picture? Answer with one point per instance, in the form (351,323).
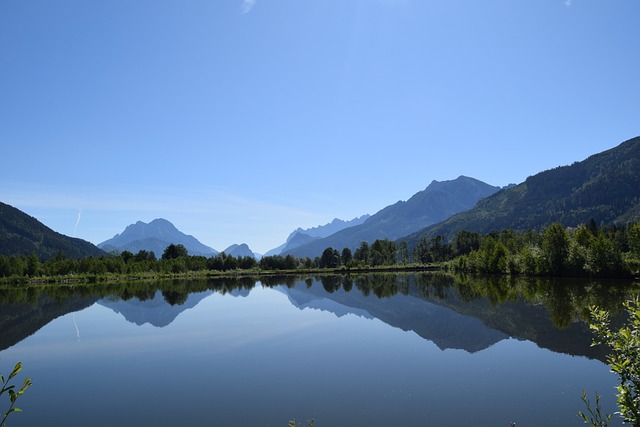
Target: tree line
(587,250)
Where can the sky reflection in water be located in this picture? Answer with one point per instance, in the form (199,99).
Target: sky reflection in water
(262,357)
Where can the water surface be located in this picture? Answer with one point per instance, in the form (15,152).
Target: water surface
(369,351)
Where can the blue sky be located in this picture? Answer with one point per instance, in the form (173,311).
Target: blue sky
(241,120)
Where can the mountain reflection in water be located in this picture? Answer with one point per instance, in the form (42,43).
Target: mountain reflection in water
(454,313)
(365,350)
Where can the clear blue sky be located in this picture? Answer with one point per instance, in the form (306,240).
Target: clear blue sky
(241,120)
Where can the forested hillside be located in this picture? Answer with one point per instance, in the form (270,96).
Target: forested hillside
(21,234)
(605,187)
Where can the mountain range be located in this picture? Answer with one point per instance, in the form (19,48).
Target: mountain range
(604,187)
(301,236)
(444,316)
(434,322)
(435,203)
(154,236)
(451,321)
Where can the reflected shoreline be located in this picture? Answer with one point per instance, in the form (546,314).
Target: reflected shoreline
(462,312)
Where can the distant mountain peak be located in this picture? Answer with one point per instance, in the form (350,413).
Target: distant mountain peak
(438,201)
(301,236)
(155,236)
(241,250)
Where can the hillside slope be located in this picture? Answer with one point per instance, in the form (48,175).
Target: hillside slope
(605,187)
(437,202)
(22,234)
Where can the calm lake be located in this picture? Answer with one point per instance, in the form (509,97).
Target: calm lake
(371,350)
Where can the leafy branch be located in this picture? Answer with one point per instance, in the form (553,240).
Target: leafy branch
(624,361)
(11,390)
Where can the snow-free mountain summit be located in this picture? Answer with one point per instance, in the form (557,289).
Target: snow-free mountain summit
(154,236)
(437,202)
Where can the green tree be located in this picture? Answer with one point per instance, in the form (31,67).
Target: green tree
(362,253)
(603,257)
(624,359)
(144,255)
(498,258)
(434,249)
(403,252)
(247,262)
(383,252)
(584,236)
(346,256)
(178,265)
(555,248)
(289,262)
(230,263)
(465,241)
(421,251)
(175,251)
(634,239)
(529,259)
(34,266)
(5,266)
(126,256)
(330,258)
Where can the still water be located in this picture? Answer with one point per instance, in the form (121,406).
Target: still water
(371,351)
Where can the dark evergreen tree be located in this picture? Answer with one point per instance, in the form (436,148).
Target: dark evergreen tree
(362,253)
(175,251)
(346,256)
(330,258)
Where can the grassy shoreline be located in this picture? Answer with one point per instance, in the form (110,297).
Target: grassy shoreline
(88,279)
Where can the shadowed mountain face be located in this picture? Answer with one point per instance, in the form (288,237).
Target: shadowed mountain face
(604,187)
(21,234)
(438,201)
(155,236)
